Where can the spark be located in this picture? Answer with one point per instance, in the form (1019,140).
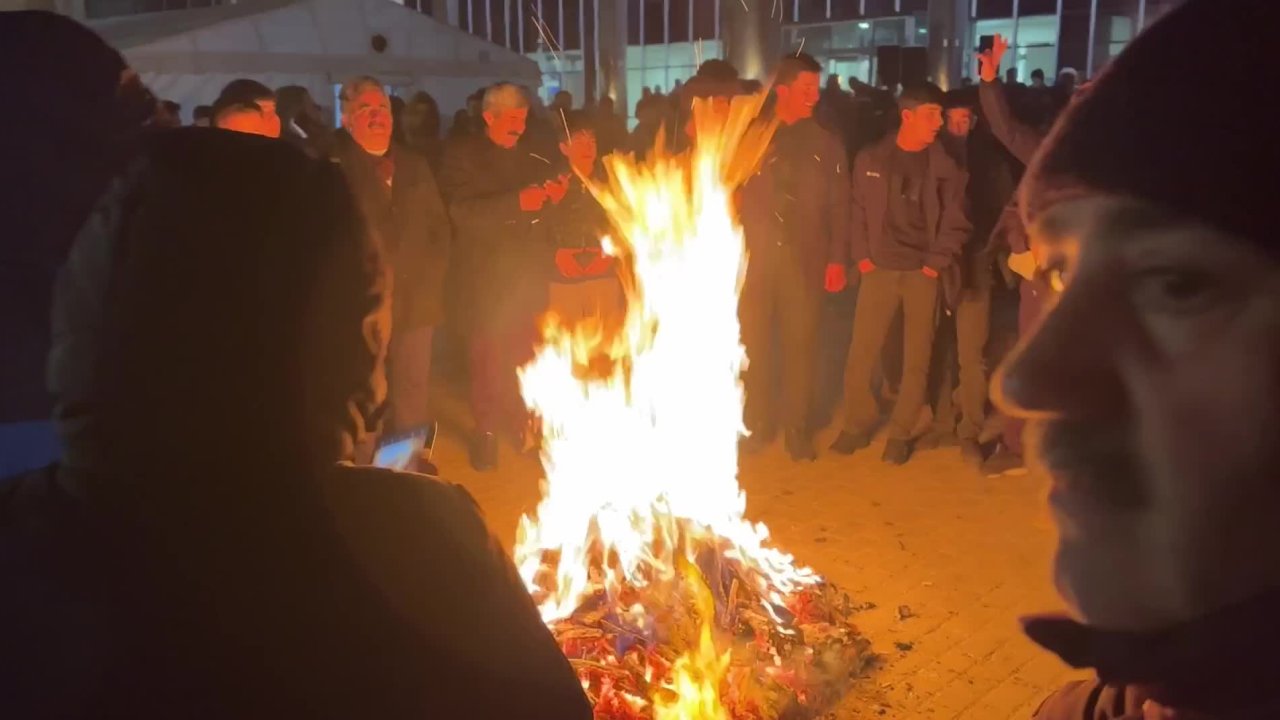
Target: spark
(567,135)
(802,39)
(773,9)
(744,5)
(544,31)
(540,158)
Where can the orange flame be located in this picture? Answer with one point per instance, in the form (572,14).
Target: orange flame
(640,428)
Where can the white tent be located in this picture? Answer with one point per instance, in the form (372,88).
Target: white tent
(189,55)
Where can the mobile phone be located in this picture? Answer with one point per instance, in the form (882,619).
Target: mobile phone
(986,43)
(401,451)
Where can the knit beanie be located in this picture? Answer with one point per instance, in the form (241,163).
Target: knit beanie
(1181,119)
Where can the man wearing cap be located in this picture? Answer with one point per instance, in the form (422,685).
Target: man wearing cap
(795,215)
(1151,388)
(908,226)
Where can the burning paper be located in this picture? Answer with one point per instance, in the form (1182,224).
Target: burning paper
(668,601)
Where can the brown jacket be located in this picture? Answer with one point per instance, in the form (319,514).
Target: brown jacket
(944,207)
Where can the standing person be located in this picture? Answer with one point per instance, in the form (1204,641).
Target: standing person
(302,122)
(243,93)
(1022,141)
(422,127)
(168,114)
(400,198)
(909,225)
(59,154)
(203,546)
(496,194)
(961,340)
(584,285)
(611,129)
(202,116)
(1152,384)
(795,216)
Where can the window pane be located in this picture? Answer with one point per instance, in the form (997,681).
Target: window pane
(678,21)
(572,39)
(880,8)
(654,22)
(813,11)
(995,8)
(1038,7)
(704,19)
(633,21)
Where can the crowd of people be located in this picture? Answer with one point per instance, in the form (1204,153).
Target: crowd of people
(228,319)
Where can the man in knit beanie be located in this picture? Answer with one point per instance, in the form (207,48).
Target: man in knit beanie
(1152,386)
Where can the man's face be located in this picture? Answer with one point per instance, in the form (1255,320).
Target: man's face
(923,122)
(504,126)
(959,122)
(580,151)
(1152,391)
(369,120)
(799,97)
(271,121)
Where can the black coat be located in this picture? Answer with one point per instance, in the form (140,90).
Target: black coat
(202,550)
(411,221)
(800,197)
(502,250)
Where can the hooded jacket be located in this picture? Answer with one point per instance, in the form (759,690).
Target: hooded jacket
(202,550)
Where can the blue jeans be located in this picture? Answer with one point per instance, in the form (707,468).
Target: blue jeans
(26,446)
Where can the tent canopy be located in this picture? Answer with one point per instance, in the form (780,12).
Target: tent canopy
(187,56)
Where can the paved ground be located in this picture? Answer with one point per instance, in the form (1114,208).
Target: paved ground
(966,554)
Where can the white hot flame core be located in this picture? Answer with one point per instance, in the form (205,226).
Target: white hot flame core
(641,458)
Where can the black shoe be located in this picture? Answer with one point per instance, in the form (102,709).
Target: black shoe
(896,452)
(971,454)
(849,443)
(484,452)
(800,446)
(1003,462)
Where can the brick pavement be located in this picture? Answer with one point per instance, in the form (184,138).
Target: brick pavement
(967,555)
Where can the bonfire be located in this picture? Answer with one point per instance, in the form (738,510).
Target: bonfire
(668,602)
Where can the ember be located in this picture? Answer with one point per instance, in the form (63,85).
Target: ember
(667,601)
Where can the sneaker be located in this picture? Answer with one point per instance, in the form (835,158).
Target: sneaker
(971,454)
(848,443)
(896,452)
(484,453)
(1003,462)
(800,446)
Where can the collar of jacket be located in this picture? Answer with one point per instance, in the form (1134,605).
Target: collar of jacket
(1222,664)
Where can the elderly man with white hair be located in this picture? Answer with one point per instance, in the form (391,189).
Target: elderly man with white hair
(400,199)
(496,192)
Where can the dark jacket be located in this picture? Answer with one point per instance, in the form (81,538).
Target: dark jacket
(502,250)
(944,206)
(412,223)
(800,197)
(578,222)
(1219,667)
(202,550)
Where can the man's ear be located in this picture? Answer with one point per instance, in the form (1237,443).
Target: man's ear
(488,117)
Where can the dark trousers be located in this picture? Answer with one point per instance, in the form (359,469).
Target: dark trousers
(409,379)
(496,352)
(1032,295)
(779,311)
(960,349)
(881,293)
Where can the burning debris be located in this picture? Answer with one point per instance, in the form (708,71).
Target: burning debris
(667,601)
